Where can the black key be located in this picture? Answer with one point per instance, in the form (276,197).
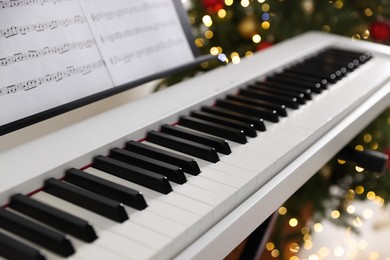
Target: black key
(298,89)
(204,152)
(213,129)
(296,82)
(305,78)
(280,109)
(283,93)
(172,172)
(361,56)
(322,65)
(305,70)
(269,115)
(333,62)
(14,249)
(288,102)
(186,163)
(37,233)
(220,145)
(256,121)
(248,129)
(94,202)
(53,217)
(127,196)
(133,173)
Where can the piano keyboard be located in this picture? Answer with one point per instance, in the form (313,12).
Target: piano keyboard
(152,192)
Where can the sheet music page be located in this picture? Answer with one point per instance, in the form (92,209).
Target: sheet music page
(48,57)
(137,38)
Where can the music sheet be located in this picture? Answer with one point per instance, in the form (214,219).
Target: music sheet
(137,38)
(56,51)
(48,57)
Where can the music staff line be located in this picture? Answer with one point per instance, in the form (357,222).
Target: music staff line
(57,76)
(136,31)
(18,3)
(34,54)
(109,15)
(39,27)
(128,57)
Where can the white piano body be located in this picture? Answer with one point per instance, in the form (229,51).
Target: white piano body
(33,154)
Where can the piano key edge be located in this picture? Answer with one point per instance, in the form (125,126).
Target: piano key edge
(238,225)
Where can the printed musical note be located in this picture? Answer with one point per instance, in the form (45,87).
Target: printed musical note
(142,7)
(137,30)
(141,53)
(17,3)
(39,27)
(59,49)
(56,76)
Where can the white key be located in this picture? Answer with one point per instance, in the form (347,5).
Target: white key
(48,254)
(82,249)
(187,219)
(109,228)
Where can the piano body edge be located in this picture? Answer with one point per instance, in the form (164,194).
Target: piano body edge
(76,144)
(240,223)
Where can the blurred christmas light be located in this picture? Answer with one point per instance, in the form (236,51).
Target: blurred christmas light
(357,222)
(265,25)
(265,7)
(308,244)
(359,169)
(305,230)
(244,3)
(307,237)
(338,4)
(248,54)
(318,227)
(335,214)
(368,12)
(351,209)
(323,252)
(359,189)
(199,42)
(367,138)
(221,13)
(341,161)
(294,247)
(256,38)
(370,195)
(366,34)
(325,28)
(338,251)
(228,2)
(373,255)
(207,21)
(270,246)
(265,16)
(275,253)
(362,244)
(359,147)
(368,213)
(208,34)
(214,51)
(374,146)
(282,211)
(293,222)
(356,36)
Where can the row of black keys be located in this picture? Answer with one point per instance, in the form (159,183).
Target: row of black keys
(234,118)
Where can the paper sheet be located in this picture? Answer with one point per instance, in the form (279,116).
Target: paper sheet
(56,51)
(137,38)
